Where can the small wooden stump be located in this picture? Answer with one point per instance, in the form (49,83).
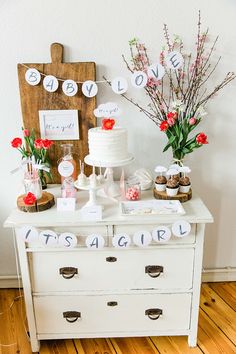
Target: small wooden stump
(182,197)
(44,203)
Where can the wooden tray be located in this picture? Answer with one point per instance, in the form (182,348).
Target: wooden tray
(44,203)
(182,197)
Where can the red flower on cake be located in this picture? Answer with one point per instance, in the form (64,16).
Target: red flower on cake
(108,123)
(164,126)
(29,199)
(47,143)
(201,138)
(16,142)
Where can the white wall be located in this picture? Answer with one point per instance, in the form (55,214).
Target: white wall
(99,31)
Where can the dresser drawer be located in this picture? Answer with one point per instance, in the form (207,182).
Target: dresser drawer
(112,269)
(131,229)
(109,313)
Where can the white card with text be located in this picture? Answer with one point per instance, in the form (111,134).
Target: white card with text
(93,212)
(65,204)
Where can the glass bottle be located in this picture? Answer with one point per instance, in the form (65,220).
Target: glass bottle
(32,183)
(68,156)
(132,189)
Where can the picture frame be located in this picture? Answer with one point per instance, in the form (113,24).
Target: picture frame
(59,124)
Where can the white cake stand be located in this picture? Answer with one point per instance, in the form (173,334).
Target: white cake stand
(114,189)
(92,192)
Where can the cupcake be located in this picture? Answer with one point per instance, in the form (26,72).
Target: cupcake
(172,187)
(184,184)
(160,183)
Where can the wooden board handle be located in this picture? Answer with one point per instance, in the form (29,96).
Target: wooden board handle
(57,52)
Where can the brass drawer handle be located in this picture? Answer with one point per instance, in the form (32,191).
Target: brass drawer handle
(111,259)
(68,272)
(112,303)
(154,271)
(153,314)
(71,316)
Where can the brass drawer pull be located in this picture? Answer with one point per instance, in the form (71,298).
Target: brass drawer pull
(68,272)
(111,259)
(112,303)
(153,314)
(71,316)
(154,271)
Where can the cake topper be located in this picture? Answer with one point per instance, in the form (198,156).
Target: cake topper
(107,110)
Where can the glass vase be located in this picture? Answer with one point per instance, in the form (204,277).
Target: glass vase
(32,183)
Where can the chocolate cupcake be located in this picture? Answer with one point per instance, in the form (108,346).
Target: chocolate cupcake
(160,183)
(172,187)
(184,184)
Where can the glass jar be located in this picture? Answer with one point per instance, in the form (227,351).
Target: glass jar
(67,156)
(67,189)
(32,183)
(132,189)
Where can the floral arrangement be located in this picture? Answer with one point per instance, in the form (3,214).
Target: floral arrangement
(178,99)
(36,150)
(30,199)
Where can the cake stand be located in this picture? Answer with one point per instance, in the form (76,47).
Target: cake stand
(114,189)
(92,192)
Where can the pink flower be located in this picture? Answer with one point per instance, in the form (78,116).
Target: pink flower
(173,115)
(171,121)
(192,121)
(152,82)
(26,132)
(38,143)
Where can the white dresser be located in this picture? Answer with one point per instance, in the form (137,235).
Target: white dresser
(79,292)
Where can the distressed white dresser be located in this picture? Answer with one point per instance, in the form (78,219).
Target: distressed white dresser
(79,292)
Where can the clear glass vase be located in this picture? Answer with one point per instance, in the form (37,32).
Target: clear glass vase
(32,183)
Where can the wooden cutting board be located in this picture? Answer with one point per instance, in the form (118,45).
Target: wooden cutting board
(35,98)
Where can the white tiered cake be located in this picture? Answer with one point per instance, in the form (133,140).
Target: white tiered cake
(108,145)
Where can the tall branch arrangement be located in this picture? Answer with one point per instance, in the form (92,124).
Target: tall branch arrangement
(178,100)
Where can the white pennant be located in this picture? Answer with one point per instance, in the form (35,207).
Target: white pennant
(70,88)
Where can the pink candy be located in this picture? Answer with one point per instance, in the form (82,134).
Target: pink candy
(132,193)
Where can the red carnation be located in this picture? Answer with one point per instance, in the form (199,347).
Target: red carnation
(201,138)
(47,143)
(38,143)
(164,126)
(29,199)
(16,142)
(108,123)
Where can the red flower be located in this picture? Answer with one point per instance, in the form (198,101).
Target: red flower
(173,115)
(164,126)
(38,143)
(16,142)
(108,123)
(26,132)
(29,199)
(201,138)
(47,143)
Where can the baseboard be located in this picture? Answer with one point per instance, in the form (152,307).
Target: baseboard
(219,274)
(208,275)
(9,281)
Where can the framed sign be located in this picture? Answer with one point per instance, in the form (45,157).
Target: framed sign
(59,124)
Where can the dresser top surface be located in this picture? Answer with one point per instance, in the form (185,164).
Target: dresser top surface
(195,212)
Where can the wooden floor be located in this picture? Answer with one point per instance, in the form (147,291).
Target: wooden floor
(216,332)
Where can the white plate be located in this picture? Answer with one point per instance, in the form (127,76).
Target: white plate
(152,207)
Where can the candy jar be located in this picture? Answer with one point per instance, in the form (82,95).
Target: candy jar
(132,189)
(67,166)
(67,188)
(32,183)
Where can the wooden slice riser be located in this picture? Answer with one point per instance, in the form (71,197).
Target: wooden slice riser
(44,203)
(182,197)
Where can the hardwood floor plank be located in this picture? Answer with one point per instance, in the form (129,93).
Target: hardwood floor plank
(174,345)
(94,345)
(211,339)
(134,345)
(222,314)
(227,291)
(65,346)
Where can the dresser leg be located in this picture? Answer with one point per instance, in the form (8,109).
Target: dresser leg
(35,345)
(192,340)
